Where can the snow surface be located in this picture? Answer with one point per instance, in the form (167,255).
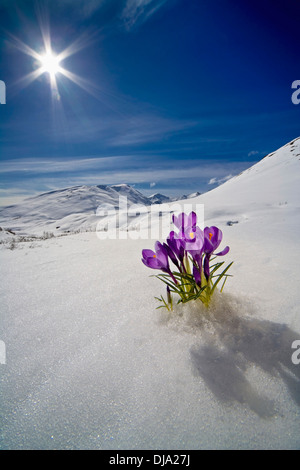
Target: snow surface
(91,363)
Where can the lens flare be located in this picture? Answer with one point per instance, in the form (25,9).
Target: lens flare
(50,63)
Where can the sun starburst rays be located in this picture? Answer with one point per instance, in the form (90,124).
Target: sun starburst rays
(48,62)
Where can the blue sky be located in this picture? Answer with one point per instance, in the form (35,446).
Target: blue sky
(170,96)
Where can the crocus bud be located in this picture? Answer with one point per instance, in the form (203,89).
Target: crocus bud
(169,297)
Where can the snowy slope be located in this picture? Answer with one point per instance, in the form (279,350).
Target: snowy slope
(266,193)
(274,180)
(91,363)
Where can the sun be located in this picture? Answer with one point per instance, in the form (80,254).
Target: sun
(50,63)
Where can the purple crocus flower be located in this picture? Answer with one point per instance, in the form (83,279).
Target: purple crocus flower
(157,259)
(190,250)
(212,239)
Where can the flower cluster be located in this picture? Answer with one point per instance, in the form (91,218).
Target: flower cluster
(191,251)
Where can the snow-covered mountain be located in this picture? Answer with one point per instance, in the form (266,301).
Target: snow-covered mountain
(162,199)
(158,198)
(72,208)
(188,196)
(66,209)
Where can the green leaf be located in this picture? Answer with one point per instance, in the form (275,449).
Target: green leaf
(223,283)
(220,277)
(217,266)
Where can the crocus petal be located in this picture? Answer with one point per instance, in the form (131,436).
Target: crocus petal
(179,220)
(192,219)
(162,255)
(183,220)
(152,263)
(213,237)
(171,254)
(194,240)
(176,245)
(171,235)
(197,257)
(223,252)
(148,254)
(208,246)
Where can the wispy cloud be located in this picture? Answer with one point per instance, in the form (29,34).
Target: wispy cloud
(85,8)
(27,178)
(138,11)
(151,170)
(76,165)
(145,128)
(253,152)
(134,128)
(129,12)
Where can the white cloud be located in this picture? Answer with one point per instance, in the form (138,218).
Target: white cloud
(212,181)
(152,185)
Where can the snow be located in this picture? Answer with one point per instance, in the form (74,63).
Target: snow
(91,363)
